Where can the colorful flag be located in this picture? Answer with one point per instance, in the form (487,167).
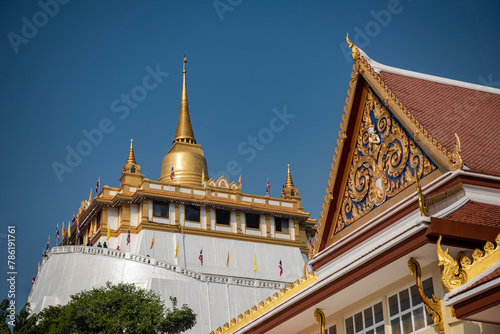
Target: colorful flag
(77,231)
(172,173)
(73,219)
(109,232)
(239,181)
(201,257)
(254,264)
(69,230)
(57,232)
(97,186)
(152,241)
(281,268)
(227,261)
(267,186)
(128,236)
(63,231)
(33,280)
(305,270)
(48,243)
(176,249)
(203,177)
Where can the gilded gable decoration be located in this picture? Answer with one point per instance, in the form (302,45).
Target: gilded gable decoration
(385,162)
(457,272)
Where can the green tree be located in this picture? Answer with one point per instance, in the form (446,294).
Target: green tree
(4,327)
(121,308)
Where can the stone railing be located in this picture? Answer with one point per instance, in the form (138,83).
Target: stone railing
(204,277)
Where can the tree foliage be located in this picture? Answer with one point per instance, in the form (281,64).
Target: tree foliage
(111,309)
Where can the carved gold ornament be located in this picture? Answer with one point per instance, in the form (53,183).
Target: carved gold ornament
(385,162)
(320,319)
(433,305)
(355,51)
(459,271)
(456,159)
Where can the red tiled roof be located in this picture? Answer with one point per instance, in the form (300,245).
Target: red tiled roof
(477,213)
(444,109)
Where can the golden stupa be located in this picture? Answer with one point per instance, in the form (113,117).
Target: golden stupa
(185,158)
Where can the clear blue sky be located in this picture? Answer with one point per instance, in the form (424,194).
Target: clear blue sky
(244,60)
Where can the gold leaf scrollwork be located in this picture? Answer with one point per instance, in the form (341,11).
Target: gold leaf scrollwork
(452,275)
(384,162)
(433,305)
(320,319)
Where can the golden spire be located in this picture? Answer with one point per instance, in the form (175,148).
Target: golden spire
(131,156)
(184,132)
(289,182)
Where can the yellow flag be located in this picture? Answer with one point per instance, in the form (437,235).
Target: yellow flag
(152,241)
(63,231)
(69,229)
(239,181)
(203,177)
(305,270)
(254,264)
(176,249)
(38,266)
(109,232)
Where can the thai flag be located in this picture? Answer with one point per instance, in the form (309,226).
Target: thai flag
(57,232)
(268,187)
(48,243)
(172,173)
(128,236)
(281,268)
(201,257)
(73,219)
(33,280)
(97,186)
(77,231)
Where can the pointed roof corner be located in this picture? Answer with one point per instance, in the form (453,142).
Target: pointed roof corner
(131,155)
(184,132)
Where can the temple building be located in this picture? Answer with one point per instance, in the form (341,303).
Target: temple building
(186,235)
(409,236)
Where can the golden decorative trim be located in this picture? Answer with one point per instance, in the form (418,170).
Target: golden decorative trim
(422,203)
(430,200)
(320,319)
(455,159)
(458,272)
(433,305)
(269,303)
(355,51)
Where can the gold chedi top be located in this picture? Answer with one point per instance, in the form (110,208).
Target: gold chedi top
(185,157)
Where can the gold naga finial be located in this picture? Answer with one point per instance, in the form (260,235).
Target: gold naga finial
(456,159)
(289,182)
(424,207)
(433,305)
(184,132)
(354,50)
(320,319)
(131,155)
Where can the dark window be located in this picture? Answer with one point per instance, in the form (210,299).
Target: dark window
(192,213)
(222,217)
(253,221)
(281,224)
(160,209)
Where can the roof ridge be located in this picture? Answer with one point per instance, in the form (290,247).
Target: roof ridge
(378,67)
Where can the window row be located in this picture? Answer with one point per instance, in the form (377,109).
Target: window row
(406,311)
(222,217)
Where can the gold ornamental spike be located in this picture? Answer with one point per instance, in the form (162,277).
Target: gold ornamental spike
(131,155)
(184,132)
(289,182)
(354,50)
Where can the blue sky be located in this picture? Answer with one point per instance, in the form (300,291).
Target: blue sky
(245,59)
